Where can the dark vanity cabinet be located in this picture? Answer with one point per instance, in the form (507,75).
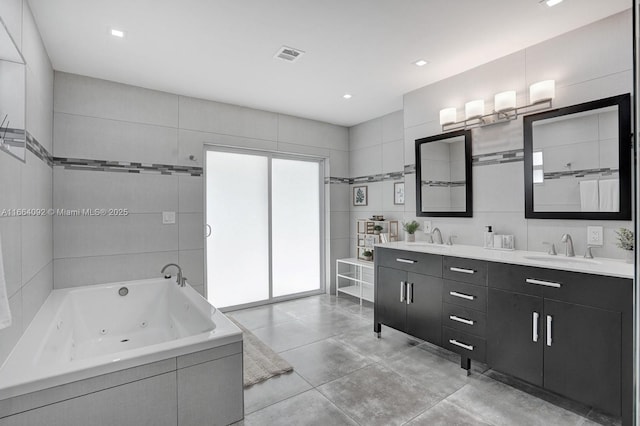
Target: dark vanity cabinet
(567,332)
(408,293)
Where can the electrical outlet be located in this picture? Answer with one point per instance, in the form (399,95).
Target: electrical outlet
(594,235)
(168,218)
(426,226)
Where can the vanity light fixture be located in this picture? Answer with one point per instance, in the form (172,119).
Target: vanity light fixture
(542,91)
(474,109)
(420,63)
(504,101)
(117,33)
(541,96)
(347,96)
(448,115)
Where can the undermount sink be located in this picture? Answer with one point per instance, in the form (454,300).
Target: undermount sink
(562,259)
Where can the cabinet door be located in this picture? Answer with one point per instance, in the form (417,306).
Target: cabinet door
(582,358)
(511,344)
(424,313)
(390,310)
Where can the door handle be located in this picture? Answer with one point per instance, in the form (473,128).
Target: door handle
(462,320)
(462,345)
(409,293)
(549,338)
(402,292)
(536,317)
(461,295)
(401,260)
(208,232)
(464,271)
(544,283)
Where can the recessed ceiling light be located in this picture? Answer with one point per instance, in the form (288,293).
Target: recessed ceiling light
(420,63)
(117,33)
(347,96)
(551,3)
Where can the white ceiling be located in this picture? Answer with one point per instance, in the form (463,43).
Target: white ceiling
(223,49)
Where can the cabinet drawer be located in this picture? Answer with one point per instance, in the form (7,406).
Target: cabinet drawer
(466,270)
(464,319)
(464,344)
(466,295)
(420,263)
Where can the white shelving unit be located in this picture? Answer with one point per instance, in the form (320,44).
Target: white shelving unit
(358,275)
(366,236)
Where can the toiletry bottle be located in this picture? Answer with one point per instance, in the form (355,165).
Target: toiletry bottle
(488,237)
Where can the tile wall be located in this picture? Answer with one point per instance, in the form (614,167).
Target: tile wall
(27,242)
(124,147)
(589,63)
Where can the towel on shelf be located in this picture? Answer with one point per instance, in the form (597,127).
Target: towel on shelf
(589,196)
(609,195)
(5,313)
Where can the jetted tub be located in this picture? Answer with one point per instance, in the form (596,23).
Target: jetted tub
(83,332)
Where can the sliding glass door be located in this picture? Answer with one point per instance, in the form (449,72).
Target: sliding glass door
(265,215)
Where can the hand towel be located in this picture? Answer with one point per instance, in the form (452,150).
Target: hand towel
(609,195)
(5,313)
(589,196)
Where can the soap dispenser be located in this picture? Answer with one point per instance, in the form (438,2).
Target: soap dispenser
(488,237)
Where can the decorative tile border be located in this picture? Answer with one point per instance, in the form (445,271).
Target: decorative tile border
(167,169)
(125,166)
(442,183)
(498,158)
(38,150)
(581,173)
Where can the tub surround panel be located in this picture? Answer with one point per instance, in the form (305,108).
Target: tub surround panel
(220,397)
(19,404)
(9,336)
(35,292)
(11,232)
(79,271)
(148,401)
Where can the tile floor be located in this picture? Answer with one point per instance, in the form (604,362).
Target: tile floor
(344,375)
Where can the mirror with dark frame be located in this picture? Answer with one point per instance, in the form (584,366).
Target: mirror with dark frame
(577,161)
(443,175)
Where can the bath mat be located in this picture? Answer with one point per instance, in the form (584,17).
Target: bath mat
(260,361)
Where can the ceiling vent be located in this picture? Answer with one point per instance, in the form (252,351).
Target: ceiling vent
(288,54)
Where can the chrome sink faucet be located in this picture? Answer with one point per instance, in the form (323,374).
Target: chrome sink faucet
(436,235)
(568,250)
(181,280)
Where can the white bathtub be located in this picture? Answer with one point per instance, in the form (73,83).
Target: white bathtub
(88,331)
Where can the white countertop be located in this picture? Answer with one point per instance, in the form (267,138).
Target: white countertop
(597,266)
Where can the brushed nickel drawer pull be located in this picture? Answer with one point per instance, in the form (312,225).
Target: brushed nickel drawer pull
(462,345)
(462,320)
(535,326)
(544,283)
(464,271)
(549,338)
(402,291)
(399,259)
(409,293)
(461,295)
